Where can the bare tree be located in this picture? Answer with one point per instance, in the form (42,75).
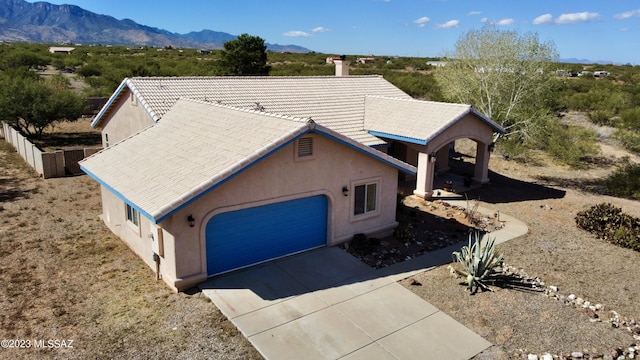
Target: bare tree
(503,74)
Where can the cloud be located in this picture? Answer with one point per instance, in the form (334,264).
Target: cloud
(472,13)
(508,21)
(297,34)
(484,19)
(449,24)
(577,17)
(320,29)
(422,21)
(627,14)
(543,19)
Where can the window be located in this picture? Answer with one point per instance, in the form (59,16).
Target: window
(133,216)
(365,199)
(106,140)
(305,149)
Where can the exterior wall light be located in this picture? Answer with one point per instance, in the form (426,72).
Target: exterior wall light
(345,191)
(191,220)
(432,157)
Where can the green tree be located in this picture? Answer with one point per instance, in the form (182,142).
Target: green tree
(503,74)
(25,59)
(246,55)
(32,104)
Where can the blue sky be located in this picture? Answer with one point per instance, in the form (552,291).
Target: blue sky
(585,29)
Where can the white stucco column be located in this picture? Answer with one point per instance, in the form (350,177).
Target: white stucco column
(424,180)
(442,156)
(481,171)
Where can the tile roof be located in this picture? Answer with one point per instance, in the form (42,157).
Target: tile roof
(196,147)
(415,120)
(332,101)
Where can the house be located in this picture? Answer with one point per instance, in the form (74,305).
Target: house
(61,49)
(204,175)
(368,60)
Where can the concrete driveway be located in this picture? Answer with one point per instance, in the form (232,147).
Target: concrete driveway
(325,304)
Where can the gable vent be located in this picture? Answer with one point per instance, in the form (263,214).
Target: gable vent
(305,147)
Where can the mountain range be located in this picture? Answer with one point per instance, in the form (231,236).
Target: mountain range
(43,22)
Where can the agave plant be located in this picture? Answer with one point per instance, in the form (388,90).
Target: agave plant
(479,263)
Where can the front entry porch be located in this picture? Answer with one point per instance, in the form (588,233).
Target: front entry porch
(433,164)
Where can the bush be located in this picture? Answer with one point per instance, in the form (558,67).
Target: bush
(624,182)
(630,139)
(630,119)
(571,145)
(601,117)
(611,224)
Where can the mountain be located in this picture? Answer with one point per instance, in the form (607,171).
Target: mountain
(43,22)
(586,61)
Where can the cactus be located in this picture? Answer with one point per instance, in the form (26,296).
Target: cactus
(479,264)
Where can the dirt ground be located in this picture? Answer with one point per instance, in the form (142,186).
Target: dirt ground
(64,276)
(547,198)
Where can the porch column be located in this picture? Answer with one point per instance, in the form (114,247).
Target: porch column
(481,171)
(442,156)
(424,177)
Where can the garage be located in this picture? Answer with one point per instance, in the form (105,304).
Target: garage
(249,236)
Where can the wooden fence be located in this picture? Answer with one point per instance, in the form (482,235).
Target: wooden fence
(48,164)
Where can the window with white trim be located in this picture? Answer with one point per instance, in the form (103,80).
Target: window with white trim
(133,216)
(365,199)
(305,149)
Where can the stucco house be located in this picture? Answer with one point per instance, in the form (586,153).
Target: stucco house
(204,175)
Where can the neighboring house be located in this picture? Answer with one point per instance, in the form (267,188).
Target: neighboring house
(204,175)
(61,49)
(368,60)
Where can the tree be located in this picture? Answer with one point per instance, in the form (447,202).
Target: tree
(246,55)
(25,59)
(33,104)
(504,75)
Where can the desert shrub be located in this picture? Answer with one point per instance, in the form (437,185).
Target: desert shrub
(629,139)
(571,145)
(611,224)
(601,117)
(404,233)
(630,119)
(624,182)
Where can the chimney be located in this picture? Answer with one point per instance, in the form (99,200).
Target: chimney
(342,66)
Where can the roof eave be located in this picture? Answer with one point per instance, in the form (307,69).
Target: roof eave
(126,83)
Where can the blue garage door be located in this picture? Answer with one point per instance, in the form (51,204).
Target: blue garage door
(244,237)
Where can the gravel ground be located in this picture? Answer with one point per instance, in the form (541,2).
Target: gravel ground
(64,276)
(556,251)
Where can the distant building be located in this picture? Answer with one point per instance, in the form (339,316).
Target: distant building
(368,60)
(331,59)
(436,63)
(61,49)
